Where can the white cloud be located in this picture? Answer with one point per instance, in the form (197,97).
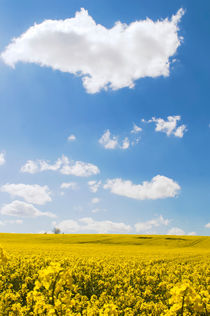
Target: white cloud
(30,167)
(192,234)
(179,132)
(158,188)
(88,224)
(136,129)
(148,225)
(68,226)
(63,165)
(71,138)
(69,185)
(96,210)
(126,143)
(35,193)
(111,142)
(2,158)
(94,185)
(104,58)
(23,209)
(207,225)
(95,200)
(80,169)
(108,141)
(176,231)
(169,126)
(136,141)
(17,221)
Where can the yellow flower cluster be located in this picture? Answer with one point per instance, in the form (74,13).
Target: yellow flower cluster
(104,285)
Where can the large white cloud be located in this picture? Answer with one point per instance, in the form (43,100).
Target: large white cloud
(148,225)
(158,188)
(32,193)
(63,165)
(88,224)
(2,158)
(169,126)
(23,209)
(114,57)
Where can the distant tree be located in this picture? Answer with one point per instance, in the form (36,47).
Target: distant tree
(56,230)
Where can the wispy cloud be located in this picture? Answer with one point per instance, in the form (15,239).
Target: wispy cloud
(23,209)
(136,129)
(32,193)
(63,165)
(69,185)
(176,231)
(153,223)
(95,200)
(94,185)
(2,158)
(90,225)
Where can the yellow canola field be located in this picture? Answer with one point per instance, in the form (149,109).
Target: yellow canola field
(104,275)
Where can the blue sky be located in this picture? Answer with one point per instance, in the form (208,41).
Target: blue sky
(95,80)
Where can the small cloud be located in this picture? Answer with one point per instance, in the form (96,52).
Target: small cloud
(62,165)
(32,193)
(159,187)
(136,141)
(207,225)
(192,234)
(94,185)
(112,142)
(126,143)
(148,225)
(176,231)
(71,138)
(136,129)
(69,185)
(169,126)
(179,132)
(88,224)
(2,158)
(95,210)
(11,222)
(30,167)
(108,141)
(95,200)
(23,209)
